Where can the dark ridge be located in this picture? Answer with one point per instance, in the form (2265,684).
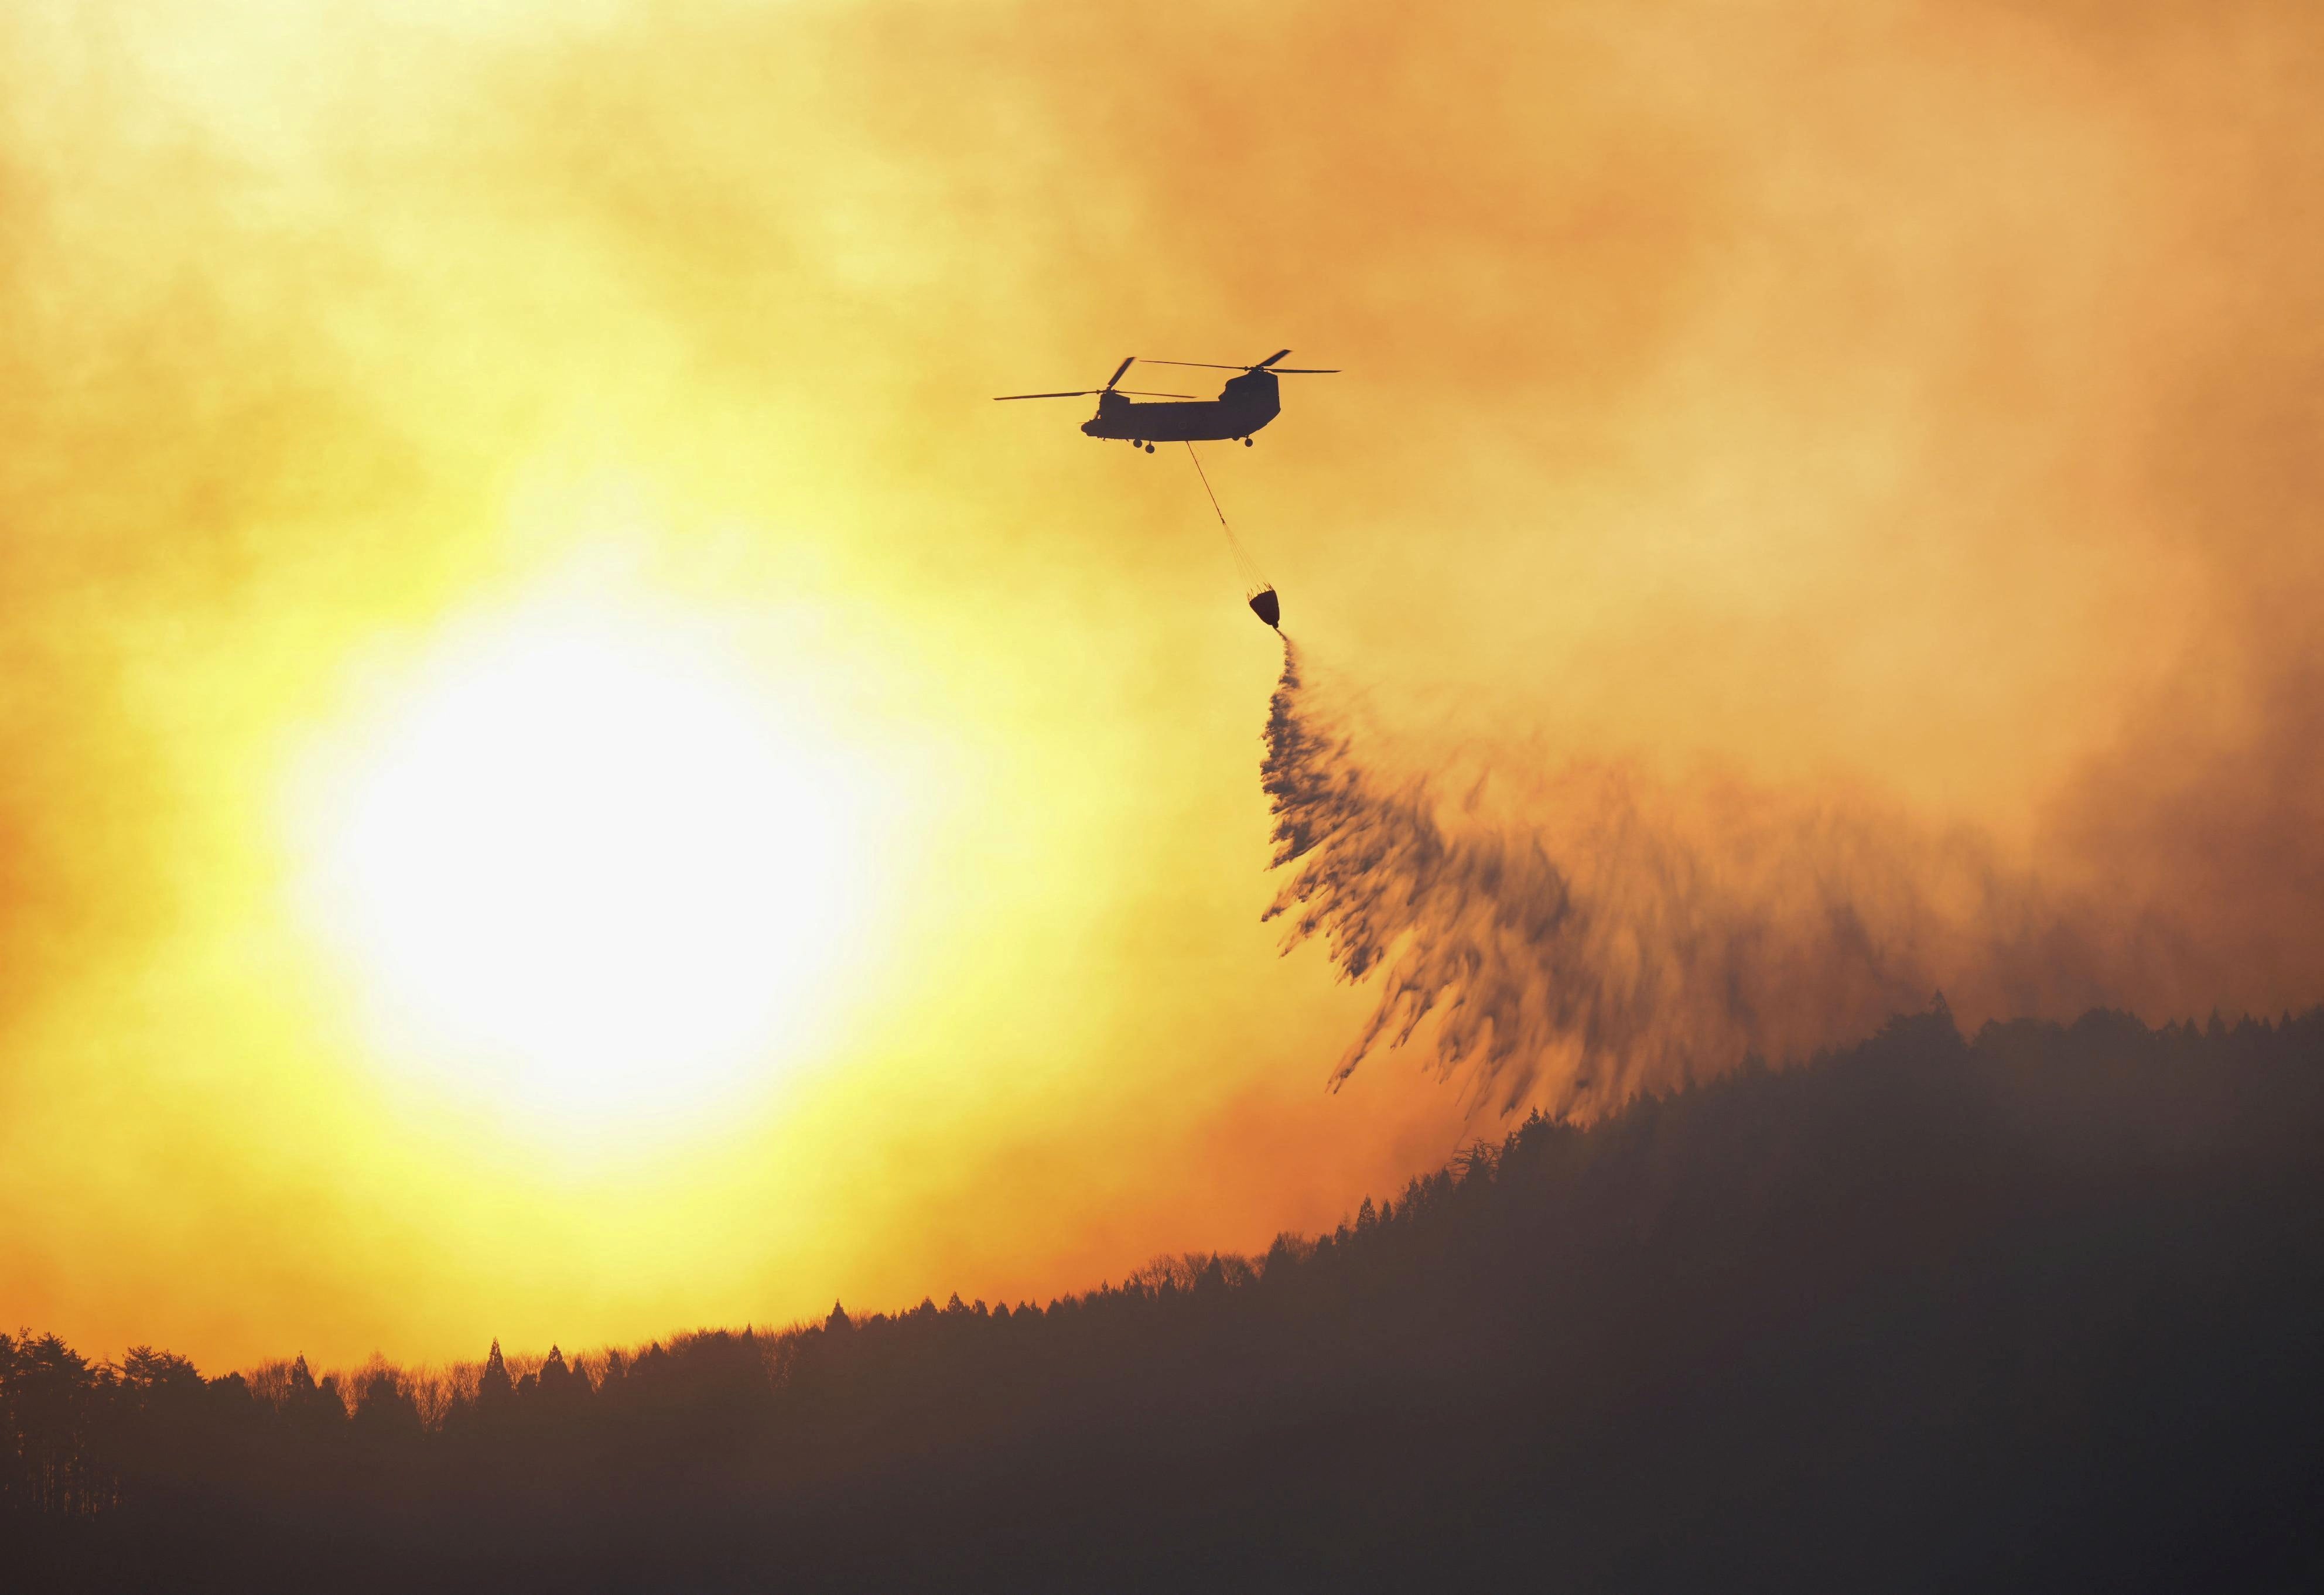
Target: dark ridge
(2041,1311)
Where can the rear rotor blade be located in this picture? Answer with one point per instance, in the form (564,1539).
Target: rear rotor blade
(1116,374)
(1145,393)
(1270,360)
(1305,370)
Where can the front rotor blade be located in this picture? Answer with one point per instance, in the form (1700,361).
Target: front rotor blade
(1204,364)
(1305,370)
(1076,394)
(1116,374)
(1270,360)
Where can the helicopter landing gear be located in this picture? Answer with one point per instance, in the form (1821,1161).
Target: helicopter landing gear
(1246,443)
(1149,449)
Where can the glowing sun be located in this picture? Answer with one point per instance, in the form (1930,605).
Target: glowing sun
(587,865)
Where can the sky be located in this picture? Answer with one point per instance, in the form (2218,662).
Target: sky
(574,419)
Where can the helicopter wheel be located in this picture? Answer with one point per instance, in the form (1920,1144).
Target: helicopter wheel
(1149,449)
(1246,443)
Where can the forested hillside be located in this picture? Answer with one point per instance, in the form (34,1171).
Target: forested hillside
(2041,1310)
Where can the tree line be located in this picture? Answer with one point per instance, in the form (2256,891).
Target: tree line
(2034,1310)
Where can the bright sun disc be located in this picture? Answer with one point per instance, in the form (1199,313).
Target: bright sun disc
(591,869)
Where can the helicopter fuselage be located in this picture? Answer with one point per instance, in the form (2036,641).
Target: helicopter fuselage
(1247,403)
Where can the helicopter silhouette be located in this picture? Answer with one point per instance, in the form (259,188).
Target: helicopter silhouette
(1243,406)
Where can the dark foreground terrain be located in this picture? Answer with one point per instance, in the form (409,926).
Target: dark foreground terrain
(2041,1311)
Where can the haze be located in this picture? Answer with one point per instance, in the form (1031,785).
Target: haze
(1909,407)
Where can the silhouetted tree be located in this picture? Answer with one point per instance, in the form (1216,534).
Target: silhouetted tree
(496,1392)
(385,1411)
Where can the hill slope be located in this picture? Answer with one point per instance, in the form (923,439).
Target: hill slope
(2040,1309)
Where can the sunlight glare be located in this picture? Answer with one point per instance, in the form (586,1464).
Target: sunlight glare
(593,869)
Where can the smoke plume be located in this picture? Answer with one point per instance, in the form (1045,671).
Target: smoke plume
(1588,934)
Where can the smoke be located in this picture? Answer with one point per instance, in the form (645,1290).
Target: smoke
(1915,394)
(1579,936)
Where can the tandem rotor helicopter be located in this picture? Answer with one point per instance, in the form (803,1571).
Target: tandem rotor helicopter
(1245,404)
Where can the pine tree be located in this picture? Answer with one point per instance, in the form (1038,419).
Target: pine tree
(497,1388)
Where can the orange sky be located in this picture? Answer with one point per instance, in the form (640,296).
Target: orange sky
(1918,401)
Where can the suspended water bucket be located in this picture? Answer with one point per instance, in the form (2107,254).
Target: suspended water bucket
(1266,606)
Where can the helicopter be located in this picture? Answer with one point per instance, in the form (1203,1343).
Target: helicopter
(1243,406)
